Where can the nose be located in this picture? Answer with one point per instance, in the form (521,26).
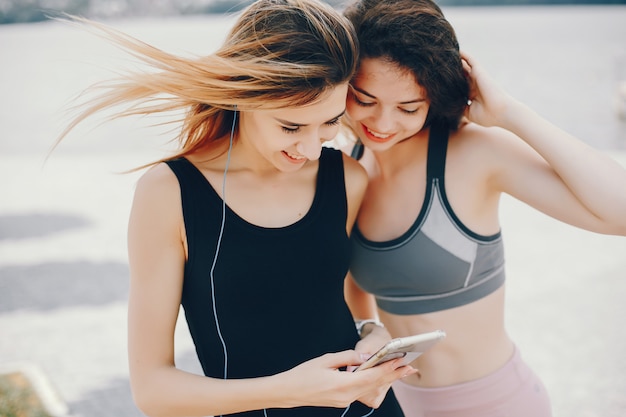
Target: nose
(382,120)
(310,147)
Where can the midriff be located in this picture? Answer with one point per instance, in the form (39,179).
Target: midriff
(475,346)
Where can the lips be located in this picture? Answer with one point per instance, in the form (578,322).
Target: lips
(294,157)
(376,136)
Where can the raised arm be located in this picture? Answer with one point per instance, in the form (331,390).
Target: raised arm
(564,177)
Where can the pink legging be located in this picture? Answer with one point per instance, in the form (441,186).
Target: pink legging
(512,391)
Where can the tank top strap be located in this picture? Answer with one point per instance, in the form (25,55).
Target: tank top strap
(195,202)
(437,149)
(189,178)
(185,171)
(357,150)
(331,179)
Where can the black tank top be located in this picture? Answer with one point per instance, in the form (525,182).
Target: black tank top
(278,291)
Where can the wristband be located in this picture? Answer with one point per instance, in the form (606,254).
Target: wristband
(361,323)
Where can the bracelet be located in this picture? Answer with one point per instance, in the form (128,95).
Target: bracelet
(361,323)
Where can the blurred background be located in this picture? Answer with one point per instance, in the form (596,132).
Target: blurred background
(63,215)
(18,11)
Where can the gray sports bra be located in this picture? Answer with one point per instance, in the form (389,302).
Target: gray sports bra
(438,263)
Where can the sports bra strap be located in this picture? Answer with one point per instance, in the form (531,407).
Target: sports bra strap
(437,148)
(357,150)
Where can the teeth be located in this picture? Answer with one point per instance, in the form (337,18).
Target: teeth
(378,135)
(292,156)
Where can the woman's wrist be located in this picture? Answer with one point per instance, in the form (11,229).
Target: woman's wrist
(514,115)
(364,327)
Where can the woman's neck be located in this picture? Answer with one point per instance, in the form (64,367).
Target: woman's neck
(396,159)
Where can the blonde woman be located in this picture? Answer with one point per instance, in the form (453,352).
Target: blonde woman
(247,224)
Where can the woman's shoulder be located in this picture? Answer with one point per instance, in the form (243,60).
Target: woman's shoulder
(158,182)
(486,153)
(157,208)
(472,138)
(473,131)
(352,167)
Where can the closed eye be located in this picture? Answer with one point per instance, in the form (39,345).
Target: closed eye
(294,129)
(361,103)
(291,128)
(354,91)
(333,122)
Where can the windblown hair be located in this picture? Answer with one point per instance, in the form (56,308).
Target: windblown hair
(415,35)
(280,53)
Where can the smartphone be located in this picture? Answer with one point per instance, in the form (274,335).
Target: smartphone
(408,348)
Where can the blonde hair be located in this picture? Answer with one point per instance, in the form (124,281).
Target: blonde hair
(279,53)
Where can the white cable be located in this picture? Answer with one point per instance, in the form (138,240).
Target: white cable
(219,242)
(217,250)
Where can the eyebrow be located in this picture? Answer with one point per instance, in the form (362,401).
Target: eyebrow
(292,124)
(417,100)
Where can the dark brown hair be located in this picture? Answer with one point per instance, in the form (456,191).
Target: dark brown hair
(415,35)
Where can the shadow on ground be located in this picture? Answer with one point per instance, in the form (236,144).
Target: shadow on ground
(27,226)
(55,285)
(113,400)
(116,400)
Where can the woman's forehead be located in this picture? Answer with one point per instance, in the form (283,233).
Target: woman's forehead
(378,78)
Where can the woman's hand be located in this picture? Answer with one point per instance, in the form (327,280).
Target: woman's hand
(382,377)
(320,382)
(374,337)
(488,105)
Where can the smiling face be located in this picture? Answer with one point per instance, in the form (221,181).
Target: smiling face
(385,104)
(287,138)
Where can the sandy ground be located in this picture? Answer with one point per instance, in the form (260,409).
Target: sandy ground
(63,268)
